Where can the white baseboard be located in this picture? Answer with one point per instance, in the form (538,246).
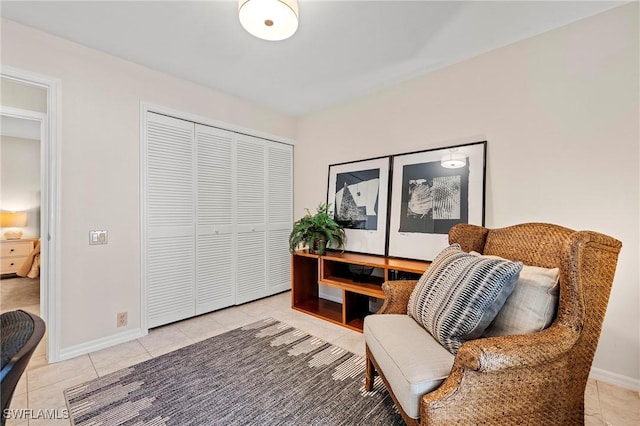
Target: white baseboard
(102,343)
(614,379)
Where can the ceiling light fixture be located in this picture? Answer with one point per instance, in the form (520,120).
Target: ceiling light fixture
(269,19)
(453,160)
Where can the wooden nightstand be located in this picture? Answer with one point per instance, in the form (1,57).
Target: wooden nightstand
(13,254)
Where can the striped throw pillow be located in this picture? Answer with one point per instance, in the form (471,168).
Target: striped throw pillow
(460,294)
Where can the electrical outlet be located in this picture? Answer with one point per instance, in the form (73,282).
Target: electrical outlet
(121,319)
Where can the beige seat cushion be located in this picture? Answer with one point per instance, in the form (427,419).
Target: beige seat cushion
(412,361)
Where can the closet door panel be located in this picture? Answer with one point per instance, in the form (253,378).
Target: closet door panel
(169,207)
(279,216)
(251,277)
(215,261)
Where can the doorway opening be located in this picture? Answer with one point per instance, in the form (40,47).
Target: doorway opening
(29,157)
(20,186)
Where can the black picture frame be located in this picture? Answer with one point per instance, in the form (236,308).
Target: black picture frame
(358,194)
(428,197)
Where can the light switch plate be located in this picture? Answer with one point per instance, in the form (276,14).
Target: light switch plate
(97,237)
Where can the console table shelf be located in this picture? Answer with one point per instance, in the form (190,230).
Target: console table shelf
(359,276)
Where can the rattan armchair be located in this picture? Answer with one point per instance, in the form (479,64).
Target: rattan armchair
(539,378)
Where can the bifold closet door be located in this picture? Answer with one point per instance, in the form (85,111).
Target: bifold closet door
(217,212)
(251,277)
(279,216)
(215,253)
(169,212)
(264,196)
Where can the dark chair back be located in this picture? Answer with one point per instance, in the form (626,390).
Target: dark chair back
(20,334)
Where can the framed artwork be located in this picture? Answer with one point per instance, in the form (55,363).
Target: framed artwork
(358,193)
(430,192)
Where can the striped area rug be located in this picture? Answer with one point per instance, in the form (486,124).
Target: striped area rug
(266,373)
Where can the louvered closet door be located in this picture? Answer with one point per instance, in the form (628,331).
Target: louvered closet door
(251,279)
(279,216)
(170,235)
(215,254)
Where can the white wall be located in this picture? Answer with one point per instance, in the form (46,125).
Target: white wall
(20,180)
(101,98)
(560,114)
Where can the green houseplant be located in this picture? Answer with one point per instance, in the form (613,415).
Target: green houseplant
(317,231)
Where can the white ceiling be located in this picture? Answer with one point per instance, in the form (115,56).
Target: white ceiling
(343,49)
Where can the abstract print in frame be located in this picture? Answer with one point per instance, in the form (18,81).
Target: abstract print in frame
(358,194)
(427,198)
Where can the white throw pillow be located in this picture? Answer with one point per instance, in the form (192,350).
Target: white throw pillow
(531,306)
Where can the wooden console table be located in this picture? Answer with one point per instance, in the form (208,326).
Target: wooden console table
(332,269)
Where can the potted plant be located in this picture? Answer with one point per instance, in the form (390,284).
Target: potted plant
(317,231)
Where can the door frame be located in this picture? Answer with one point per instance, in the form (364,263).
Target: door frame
(50,136)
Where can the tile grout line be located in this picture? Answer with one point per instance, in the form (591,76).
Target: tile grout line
(95,370)
(145,348)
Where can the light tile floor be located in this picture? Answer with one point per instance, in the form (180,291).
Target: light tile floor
(42,386)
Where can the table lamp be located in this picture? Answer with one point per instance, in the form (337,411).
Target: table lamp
(12,220)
